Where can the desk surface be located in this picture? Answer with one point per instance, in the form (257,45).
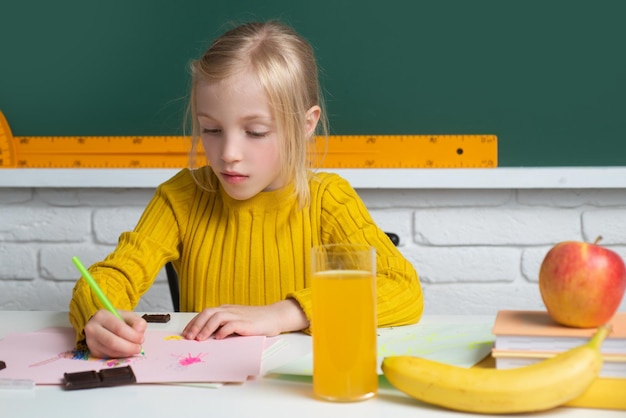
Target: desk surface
(270,396)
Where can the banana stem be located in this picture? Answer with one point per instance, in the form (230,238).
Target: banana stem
(597,339)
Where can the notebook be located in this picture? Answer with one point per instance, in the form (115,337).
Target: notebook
(537,331)
(613,365)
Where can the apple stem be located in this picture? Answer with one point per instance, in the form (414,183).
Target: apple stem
(598,239)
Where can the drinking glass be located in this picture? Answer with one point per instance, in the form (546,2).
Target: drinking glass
(344,322)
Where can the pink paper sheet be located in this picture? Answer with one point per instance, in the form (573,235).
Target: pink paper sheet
(45,355)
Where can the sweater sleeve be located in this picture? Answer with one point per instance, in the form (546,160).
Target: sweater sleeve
(129,271)
(344,218)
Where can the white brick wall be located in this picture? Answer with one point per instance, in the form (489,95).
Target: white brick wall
(477,251)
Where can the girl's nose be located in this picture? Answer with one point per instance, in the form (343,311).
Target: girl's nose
(232,149)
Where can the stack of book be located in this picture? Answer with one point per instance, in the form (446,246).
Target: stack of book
(526,337)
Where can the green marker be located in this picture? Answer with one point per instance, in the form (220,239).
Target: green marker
(96,289)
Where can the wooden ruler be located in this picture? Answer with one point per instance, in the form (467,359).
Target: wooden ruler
(343,151)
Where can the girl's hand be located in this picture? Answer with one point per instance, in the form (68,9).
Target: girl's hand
(225,320)
(108,337)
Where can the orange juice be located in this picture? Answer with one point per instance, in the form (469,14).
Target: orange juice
(344,335)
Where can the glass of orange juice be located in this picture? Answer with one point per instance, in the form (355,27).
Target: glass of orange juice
(344,322)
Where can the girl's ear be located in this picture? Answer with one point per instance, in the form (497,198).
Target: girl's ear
(312,117)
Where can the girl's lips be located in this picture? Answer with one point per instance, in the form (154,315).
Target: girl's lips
(233,177)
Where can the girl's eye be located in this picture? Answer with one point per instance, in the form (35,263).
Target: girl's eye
(256,134)
(208,131)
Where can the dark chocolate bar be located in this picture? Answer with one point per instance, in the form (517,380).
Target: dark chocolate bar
(161,318)
(116,376)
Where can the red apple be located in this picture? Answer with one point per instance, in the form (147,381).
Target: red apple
(582,284)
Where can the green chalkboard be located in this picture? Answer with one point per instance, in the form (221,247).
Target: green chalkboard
(547,77)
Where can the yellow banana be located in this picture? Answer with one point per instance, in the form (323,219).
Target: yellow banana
(540,386)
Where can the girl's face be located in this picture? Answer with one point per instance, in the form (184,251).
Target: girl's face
(239,136)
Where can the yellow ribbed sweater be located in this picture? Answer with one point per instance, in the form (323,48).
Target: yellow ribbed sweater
(252,252)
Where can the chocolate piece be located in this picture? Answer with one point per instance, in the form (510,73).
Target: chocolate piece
(161,318)
(3,365)
(116,376)
(82,380)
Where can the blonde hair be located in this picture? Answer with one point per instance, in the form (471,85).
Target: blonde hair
(285,65)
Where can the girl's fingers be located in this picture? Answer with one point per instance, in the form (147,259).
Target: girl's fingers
(203,325)
(107,336)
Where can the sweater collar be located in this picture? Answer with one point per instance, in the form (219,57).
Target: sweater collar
(272,200)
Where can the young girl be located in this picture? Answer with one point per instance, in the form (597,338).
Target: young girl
(240,230)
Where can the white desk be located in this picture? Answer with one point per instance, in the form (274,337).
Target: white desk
(269,396)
